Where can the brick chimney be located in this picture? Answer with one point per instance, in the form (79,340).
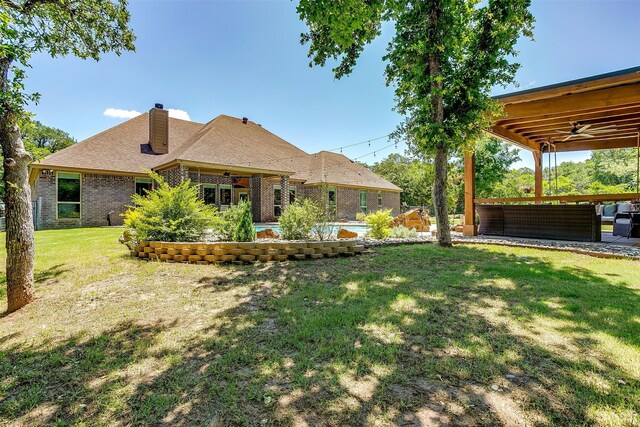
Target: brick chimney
(159,129)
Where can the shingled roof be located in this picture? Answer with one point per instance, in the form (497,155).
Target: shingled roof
(223,143)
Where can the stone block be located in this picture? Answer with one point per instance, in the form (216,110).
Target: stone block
(211,258)
(299,256)
(179,258)
(237,252)
(247,258)
(265,258)
(308,251)
(316,256)
(228,258)
(148,249)
(341,250)
(281,257)
(202,252)
(195,258)
(358,249)
(160,251)
(347,243)
(155,244)
(165,257)
(153,256)
(186,251)
(255,252)
(173,251)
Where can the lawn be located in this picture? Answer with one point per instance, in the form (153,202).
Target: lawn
(413,335)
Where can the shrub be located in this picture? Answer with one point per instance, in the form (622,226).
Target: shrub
(244,231)
(225,228)
(379,223)
(360,216)
(402,232)
(172,214)
(323,227)
(297,221)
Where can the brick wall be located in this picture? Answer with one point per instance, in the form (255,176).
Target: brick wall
(348,200)
(100,194)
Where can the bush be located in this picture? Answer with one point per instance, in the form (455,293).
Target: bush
(323,227)
(379,223)
(244,232)
(297,221)
(402,232)
(360,216)
(171,214)
(225,228)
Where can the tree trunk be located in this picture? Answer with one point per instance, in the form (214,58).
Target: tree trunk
(17,199)
(441,160)
(440,197)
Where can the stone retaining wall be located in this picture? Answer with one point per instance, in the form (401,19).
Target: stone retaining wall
(209,253)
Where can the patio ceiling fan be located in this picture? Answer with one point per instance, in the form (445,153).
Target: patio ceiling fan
(578,130)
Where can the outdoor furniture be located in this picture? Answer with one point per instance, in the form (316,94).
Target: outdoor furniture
(558,222)
(627,224)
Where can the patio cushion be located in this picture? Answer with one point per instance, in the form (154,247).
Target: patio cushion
(610,210)
(623,221)
(625,207)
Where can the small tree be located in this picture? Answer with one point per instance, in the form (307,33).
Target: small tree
(379,223)
(245,231)
(86,29)
(297,221)
(171,214)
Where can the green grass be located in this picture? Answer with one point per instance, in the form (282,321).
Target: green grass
(403,335)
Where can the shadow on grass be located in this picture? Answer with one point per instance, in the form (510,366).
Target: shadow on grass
(415,335)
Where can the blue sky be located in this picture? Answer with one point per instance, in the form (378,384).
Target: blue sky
(243,58)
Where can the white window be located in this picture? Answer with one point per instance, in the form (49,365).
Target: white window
(143,185)
(210,194)
(68,195)
(226,195)
(332,201)
(363,201)
(277,200)
(379,199)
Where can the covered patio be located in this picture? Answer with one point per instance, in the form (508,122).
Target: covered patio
(595,113)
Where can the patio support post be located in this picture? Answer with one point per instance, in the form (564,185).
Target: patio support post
(470,228)
(537,161)
(284,192)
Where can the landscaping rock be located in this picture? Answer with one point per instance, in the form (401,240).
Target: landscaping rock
(416,219)
(346,234)
(267,233)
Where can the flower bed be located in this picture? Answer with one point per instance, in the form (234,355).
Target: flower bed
(219,252)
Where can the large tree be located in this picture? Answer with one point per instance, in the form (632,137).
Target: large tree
(443,60)
(86,29)
(414,176)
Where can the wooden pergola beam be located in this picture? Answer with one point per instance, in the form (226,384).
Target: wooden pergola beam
(502,133)
(624,142)
(565,125)
(570,116)
(603,99)
(576,86)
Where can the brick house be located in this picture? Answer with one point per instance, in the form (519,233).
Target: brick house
(91,183)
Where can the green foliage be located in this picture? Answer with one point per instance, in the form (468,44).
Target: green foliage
(227,224)
(379,223)
(402,232)
(84,29)
(44,140)
(297,220)
(414,176)
(245,231)
(360,216)
(172,214)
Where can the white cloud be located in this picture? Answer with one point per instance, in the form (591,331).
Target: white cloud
(178,114)
(119,113)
